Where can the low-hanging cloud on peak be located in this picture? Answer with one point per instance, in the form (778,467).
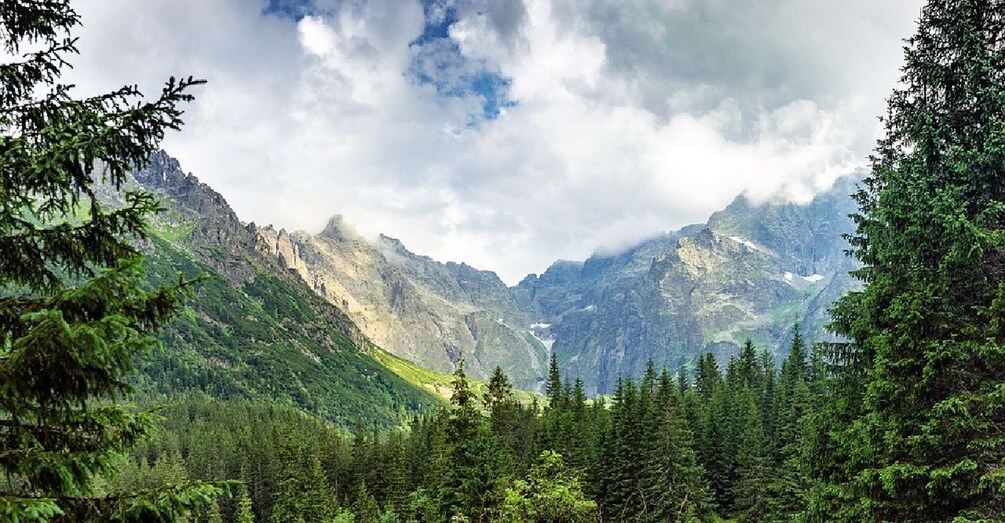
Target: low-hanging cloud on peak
(507,134)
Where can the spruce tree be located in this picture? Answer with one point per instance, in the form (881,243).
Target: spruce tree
(499,391)
(73,314)
(624,500)
(926,440)
(473,468)
(680,492)
(553,387)
(302,492)
(707,378)
(393,472)
(364,506)
(244,513)
(752,462)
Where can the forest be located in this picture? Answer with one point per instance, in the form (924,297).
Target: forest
(668,448)
(900,418)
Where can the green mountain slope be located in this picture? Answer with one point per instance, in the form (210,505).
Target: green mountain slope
(439,383)
(255,330)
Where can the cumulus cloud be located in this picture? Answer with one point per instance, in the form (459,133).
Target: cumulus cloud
(508,133)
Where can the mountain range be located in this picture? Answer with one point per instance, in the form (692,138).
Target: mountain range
(308,317)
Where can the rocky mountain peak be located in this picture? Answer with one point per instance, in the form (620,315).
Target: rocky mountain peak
(339,230)
(392,244)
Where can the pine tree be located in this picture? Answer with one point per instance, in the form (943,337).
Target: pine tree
(680,492)
(553,387)
(928,347)
(73,315)
(244,514)
(473,467)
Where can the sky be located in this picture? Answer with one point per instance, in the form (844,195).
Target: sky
(507,133)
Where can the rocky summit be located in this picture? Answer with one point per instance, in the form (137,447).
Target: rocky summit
(752,271)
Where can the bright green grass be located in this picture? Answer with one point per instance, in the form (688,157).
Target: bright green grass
(439,383)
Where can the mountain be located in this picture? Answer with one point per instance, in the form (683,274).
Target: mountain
(751,271)
(255,329)
(422,310)
(301,316)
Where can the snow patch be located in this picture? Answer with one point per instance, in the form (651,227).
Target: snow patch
(813,278)
(788,276)
(547,342)
(589,308)
(539,326)
(746,243)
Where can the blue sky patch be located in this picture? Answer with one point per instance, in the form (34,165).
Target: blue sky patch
(437,60)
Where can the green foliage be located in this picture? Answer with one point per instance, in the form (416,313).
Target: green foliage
(244,513)
(302,493)
(916,422)
(640,458)
(74,314)
(551,494)
(472,464)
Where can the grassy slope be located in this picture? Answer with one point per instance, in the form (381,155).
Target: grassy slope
(269,340)
(436,382)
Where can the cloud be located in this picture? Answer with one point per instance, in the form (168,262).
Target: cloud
(508,133)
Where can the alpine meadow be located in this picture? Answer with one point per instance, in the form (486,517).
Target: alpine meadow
(827,346)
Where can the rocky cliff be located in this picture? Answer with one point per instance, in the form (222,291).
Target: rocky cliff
(425,311)
(752,271)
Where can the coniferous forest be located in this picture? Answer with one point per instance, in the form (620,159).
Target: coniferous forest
(732,440)
(900,417)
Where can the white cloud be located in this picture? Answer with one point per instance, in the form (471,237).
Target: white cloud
(632,117)
(316,37)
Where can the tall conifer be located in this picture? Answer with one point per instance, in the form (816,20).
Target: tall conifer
(926,440)
(74,314)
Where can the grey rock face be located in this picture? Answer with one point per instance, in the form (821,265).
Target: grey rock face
(429,312)
(751,271)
